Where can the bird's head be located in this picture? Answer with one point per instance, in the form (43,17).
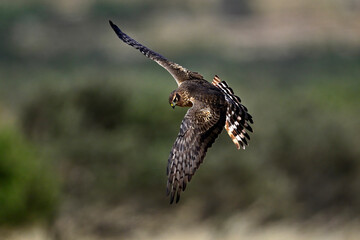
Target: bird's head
(174,99)
(180,97)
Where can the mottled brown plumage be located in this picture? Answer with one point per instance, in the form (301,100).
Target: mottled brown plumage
(213,106)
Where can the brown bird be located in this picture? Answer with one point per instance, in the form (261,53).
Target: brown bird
(213,106)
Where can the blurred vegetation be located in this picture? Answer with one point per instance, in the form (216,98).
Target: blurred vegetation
(98,111)
(29,189)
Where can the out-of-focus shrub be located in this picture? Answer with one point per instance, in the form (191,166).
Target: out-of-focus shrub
(316,151)
(28,186)
(102,107)
(54,114)
(42,118)
(100,139)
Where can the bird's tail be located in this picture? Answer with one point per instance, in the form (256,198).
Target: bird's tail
(237,118)
(179,73)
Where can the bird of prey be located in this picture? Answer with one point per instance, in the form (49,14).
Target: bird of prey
(213,106)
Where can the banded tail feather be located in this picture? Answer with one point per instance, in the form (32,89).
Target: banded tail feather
(237,118)
(178,72)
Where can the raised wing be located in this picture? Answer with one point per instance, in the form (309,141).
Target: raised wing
(198,131)
(178,72)
(237,117)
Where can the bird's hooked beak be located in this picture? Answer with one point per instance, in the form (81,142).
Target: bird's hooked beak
(173,104)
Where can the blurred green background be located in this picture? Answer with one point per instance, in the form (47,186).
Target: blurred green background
(86,128)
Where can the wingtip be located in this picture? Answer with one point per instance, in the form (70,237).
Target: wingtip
(172,197)
(115,28)
(177,196)
(171,200)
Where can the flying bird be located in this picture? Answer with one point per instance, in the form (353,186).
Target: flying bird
(213,106)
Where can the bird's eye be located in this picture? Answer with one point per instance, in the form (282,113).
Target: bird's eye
(176,97)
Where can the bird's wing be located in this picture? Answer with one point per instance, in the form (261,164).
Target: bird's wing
(237,117)
(178,72)
(198,131)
